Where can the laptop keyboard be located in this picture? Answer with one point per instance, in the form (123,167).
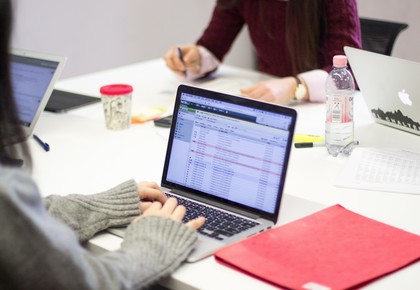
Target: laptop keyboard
(219,224)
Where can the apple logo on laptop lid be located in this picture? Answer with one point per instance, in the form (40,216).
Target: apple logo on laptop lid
(405,97)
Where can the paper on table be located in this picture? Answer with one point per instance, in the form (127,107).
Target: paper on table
(393,170)
(228,85)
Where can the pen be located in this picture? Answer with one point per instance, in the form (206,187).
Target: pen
(309,144)
(317,144)
(44,145)
(181,57)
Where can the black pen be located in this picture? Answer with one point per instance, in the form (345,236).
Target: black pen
(317,144)
(44,145)
(309,144)
(181,57)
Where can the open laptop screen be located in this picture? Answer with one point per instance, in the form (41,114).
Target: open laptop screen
(33,75)
(31,78)
(232,150)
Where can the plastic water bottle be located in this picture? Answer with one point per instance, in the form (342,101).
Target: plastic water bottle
(339,126)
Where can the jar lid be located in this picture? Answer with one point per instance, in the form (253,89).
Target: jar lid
(116,89)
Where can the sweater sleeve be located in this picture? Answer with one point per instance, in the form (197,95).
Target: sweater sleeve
(43,253)
(89,214)
(343,30)
(221,32)
(315,81)
(209,64)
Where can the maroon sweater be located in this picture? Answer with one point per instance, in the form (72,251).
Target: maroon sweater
(225,25)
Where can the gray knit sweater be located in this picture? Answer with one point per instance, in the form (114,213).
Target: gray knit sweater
(40,239)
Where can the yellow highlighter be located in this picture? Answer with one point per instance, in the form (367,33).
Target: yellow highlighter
(308,141)
(308,138)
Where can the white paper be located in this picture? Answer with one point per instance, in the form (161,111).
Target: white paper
(393,170)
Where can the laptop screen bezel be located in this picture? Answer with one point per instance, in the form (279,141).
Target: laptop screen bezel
(196,194)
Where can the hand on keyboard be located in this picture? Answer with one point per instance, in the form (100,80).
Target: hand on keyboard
(171,209)
(219,224)
(148,193)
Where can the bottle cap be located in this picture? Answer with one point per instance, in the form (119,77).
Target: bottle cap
(340,61)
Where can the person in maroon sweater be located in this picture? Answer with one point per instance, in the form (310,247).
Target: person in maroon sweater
(294,42)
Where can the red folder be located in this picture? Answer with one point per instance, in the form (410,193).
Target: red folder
(333,248)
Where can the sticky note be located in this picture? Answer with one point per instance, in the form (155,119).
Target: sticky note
(147,115)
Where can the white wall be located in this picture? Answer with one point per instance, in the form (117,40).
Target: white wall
(407,45)
(101,34)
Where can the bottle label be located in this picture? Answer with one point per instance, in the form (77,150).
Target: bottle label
(339,109)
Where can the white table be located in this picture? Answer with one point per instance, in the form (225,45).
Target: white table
(85,157)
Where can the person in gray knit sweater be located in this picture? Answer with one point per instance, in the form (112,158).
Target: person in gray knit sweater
(41,240)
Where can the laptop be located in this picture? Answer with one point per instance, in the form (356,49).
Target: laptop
(33,75)
(64,101)
(226,160)
(390,87)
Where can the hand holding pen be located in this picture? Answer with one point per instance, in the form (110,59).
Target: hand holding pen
(183,60)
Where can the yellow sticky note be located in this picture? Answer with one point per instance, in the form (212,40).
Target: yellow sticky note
(303,138)
(147,115)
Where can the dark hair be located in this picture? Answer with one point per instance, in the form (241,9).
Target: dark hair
(10,130)
(305,31)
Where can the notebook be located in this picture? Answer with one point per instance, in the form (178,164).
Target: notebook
(33,75)
(230,155)
(390,87)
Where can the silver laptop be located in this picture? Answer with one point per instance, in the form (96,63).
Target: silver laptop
(33,76)
(390,87)
(226,160)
